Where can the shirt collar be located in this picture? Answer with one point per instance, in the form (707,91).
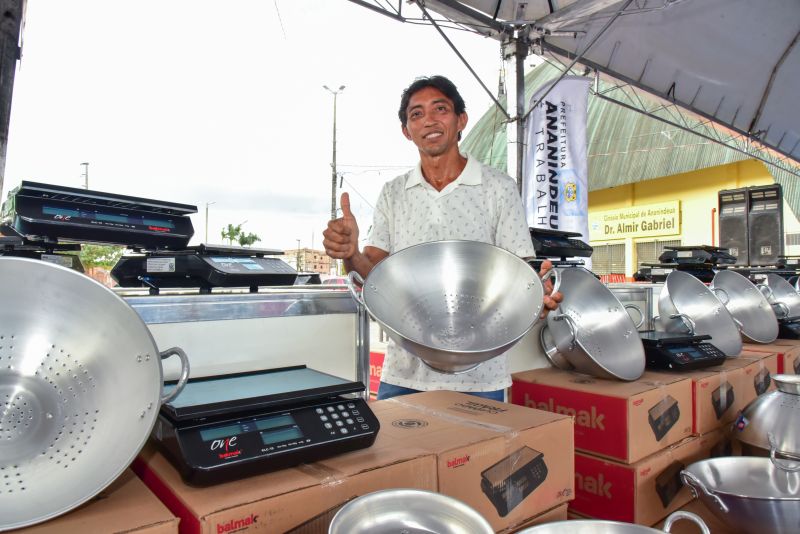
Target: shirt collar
(471,175)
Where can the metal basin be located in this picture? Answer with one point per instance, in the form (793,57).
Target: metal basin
(749,494)
(80,389)
(407,511)
(686,305)
(591,330)
(750,308)
(770,422)
(590,526)
(453,304)
(783,297)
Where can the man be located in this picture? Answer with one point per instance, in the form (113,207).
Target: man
(447,196)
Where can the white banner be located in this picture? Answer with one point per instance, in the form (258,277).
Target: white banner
(554,185)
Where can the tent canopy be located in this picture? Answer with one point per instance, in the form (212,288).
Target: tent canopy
(729,65)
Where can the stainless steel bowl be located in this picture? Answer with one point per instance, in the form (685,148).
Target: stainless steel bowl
(591,330)
(748,306)
(453,304)
(408,511)
(591,526)
(80,389)
(770,422)
(749,494)
(783,297)
(686,305)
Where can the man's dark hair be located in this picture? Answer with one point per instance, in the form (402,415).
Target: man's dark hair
(441,83)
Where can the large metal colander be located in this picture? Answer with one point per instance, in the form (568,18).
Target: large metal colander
(454,304)
(80,389)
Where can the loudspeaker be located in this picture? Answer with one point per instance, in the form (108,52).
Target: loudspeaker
(733,229)
(765,224)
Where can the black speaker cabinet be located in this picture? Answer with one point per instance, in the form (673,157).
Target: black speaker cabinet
(733,230)
(765,224)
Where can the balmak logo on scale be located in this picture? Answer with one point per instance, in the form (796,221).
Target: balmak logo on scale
(228,445)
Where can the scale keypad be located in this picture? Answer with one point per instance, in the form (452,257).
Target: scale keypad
(345,419)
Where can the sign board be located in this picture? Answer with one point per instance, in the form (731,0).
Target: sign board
(649,220)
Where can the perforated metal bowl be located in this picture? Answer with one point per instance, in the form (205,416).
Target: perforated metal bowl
(80,388)
(454,304)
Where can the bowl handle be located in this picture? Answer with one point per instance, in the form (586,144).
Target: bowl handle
(739,324)
(354,278)
(184,372)
(783,307)
(694,484)
(680,514)
(573,330)
(773,451)
(727,297)
(688,321)
(765,290)
(553,273)
(641,314)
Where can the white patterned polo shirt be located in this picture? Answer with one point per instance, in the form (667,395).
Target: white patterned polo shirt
(482,204)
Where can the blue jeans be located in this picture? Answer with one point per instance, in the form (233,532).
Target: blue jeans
(387,391)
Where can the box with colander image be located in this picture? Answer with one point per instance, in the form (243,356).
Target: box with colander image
(624,421)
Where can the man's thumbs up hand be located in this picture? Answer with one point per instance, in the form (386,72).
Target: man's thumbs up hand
(341,236)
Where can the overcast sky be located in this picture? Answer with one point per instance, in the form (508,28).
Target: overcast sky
(195,101)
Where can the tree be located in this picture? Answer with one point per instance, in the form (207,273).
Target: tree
(235,233)
(100,255)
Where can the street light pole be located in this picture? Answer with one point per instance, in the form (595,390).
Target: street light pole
(333,161)
(297,257)
(85,175)
(207,205)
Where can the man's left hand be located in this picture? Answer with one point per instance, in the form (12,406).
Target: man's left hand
(551,299)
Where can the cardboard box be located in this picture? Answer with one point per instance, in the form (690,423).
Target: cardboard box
(625,421)
(788,351)
(303,499)
(643,492)
(508,462)
(559,513)
(375,370)
(687,527)
(125,506)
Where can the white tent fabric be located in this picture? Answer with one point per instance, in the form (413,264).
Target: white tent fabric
(734,62)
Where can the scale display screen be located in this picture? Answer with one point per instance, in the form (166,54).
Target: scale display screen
(688,351)
(275,429)
(284,434)
(106,217)
(220,432)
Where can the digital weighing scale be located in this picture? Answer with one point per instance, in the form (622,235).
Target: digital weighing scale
(558,244)
(679,352)
(223,428)
(205,267)
(53,213)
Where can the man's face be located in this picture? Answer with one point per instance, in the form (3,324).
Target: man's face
(432,123)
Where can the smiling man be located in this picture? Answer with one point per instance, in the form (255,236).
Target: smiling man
(447,196)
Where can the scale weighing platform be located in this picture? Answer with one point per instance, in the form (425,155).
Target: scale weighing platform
(229,427)
(679,352)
